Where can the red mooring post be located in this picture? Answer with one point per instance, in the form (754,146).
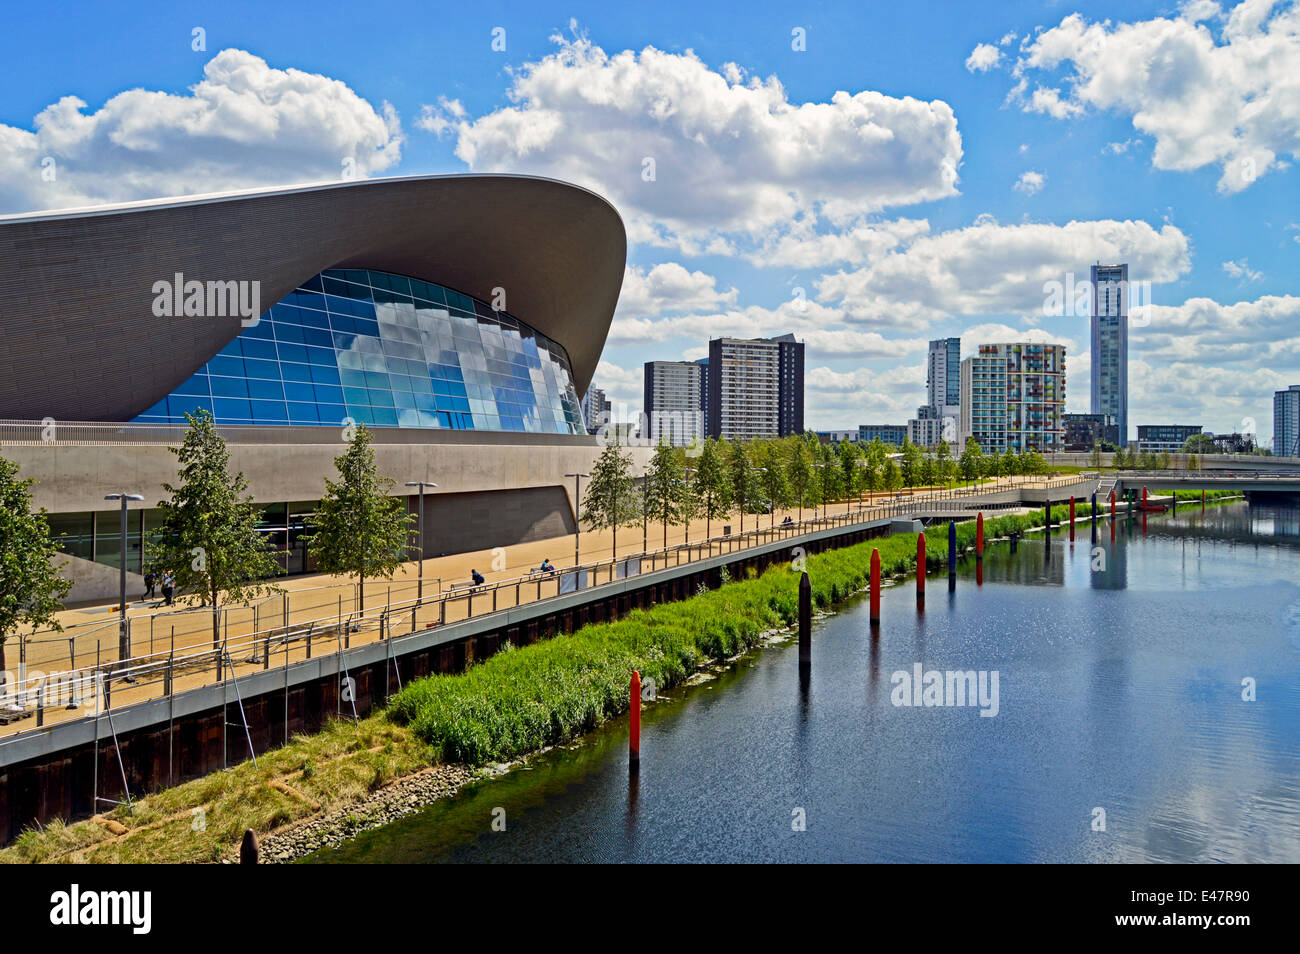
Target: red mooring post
(1202,501)
(1112,505)
(1071,518)
(1144,498)
(920,566)
(634,719)
(979,536)
(875,585)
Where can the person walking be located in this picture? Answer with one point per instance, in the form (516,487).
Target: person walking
(150,584)
(168,587)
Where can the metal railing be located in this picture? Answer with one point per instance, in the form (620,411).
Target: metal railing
(48,695)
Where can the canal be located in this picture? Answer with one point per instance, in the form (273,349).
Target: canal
(1126,728)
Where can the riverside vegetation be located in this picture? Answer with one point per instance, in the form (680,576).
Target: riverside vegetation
(515,702)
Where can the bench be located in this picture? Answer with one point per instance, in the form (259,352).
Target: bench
(461,587)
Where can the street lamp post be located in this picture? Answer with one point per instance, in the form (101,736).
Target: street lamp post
(124,639)
(689,474)
(419,586)
(823,493)
(577,513)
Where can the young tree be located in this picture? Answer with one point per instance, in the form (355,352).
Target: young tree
(667,496)
(910,462)
(361,530)
(799,471)
(926,470)
(943,461)
(969,464)
(712,486)
(850,472)
(208,539)
(1094,459)
(772,482)
(744,481)
(611,501)
(31,589)
(893,476)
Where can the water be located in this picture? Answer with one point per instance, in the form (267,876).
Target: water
(1119,689)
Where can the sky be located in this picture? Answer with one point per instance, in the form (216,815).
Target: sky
(866,175)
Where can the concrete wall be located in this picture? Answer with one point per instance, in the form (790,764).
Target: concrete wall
(95,582)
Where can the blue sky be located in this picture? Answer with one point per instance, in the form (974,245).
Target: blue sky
(917,170)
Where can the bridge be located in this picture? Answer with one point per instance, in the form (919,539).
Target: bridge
(1251,482)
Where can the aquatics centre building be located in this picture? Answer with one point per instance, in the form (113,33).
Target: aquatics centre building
(460,317)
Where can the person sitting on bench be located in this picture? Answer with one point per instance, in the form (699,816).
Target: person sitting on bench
(547,566)
(477,577)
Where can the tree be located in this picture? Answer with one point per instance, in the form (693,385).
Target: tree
(712,487)
(943,461)
(744,483)
(799,471)
(850,473)
(1199,444)
(969,464)
(910,462)
(361,529)
(926,470)
(875,468)
(667,496)
(31,589)
(208,539)
(610,502)
(1119,460)
(1094,459)
(1192,463)
(892,476)
(772,478)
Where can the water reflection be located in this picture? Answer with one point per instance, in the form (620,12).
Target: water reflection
(1120,689)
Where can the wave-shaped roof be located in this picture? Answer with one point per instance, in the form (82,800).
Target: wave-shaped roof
(79,339)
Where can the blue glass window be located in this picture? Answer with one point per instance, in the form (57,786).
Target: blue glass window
(387,351)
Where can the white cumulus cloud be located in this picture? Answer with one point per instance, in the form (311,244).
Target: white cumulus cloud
(244,125)
(1231,100)
(708,160)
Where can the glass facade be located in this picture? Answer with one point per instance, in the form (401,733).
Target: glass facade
(386,351)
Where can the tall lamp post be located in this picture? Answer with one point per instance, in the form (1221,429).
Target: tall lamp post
(124,639)
(577,513)
(689,474)
(824,502)
(419,586)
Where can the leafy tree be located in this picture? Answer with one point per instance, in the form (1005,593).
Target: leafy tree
(744,481)
(361,530)
(1199,444)
(943,461)
(772,481)
(1192,462)
(1119,459)
(926,470)
(799,472)
(31,589)
(611,501)
(712,485)
(850,472)
(1094,459)
(667,497)
(970,465)
(892,476)
(208,539)
(910,462)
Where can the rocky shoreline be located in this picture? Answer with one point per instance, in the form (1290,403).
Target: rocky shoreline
(399,798)
(407,795)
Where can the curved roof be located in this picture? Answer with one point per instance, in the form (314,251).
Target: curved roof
(81,342)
